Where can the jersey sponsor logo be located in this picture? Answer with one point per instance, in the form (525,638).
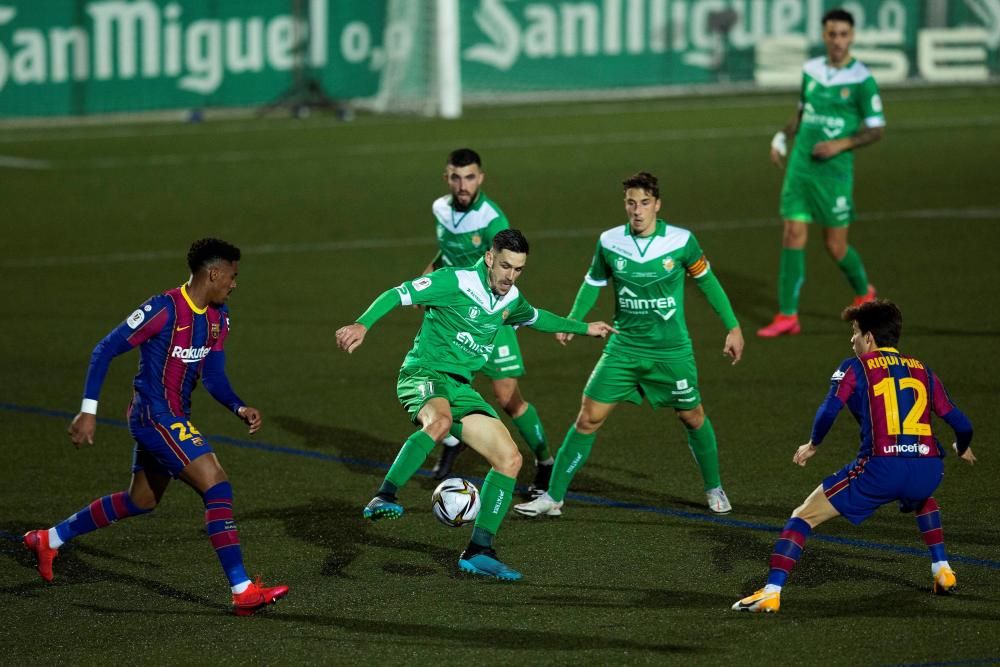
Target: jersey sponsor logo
(190,355)
(473,312)
(469,344)
(421,284)
(629,301)
(912,448)
(136,318)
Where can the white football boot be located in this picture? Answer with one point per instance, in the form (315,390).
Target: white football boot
(543,505)
(717,501)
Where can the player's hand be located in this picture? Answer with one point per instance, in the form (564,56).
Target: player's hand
(81,429)
(825,150)
(966,456)
(349,338)
(564,338)
(600,329)
(777,158)
(734,345)
(252,418)
(804,453)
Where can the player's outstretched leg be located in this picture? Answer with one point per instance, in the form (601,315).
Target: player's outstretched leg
(480,557)
(787,551)
(248,596)
(705,449)
(99,514)
(573,453)
(929,523)
(412,455)
(791,275)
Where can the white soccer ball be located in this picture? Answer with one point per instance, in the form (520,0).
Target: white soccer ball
(455,502)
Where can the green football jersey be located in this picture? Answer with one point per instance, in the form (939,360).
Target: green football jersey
(465,236)
(647,276)
(835,103)
(461,318)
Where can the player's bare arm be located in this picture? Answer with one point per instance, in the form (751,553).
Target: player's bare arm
(966,456)
(733,347)
(251,417)
(81,429)
(599,329)
(349,338)
(804,453)
(825,150)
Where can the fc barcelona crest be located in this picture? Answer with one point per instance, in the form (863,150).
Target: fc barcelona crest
(213,330)
(621,263)
(668,264)
(477,240)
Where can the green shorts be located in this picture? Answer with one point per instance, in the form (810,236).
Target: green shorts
(505,362)
(665,384)
(828,201)
(416,386)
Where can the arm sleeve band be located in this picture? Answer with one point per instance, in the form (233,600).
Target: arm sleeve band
(959,423)
(586,297)
(380,307)
(825,417)
(551,323)
(217,384)
(111,346)
(712,289)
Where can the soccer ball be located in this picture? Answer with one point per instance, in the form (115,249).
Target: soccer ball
(455,502)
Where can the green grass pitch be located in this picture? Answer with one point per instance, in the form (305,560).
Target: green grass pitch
(329,214)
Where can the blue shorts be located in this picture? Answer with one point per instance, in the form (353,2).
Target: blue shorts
(861,487)
(163,442)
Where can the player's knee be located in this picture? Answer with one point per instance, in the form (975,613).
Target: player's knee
(509,461)
(794,236)
(692,419)
(837,248)
(587,423)
(439,427)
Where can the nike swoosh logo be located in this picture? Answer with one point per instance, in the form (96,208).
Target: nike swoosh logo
(183,328)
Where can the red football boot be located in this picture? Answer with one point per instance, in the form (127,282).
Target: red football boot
(38,541)
(256,597)
(781,325)
(866,297)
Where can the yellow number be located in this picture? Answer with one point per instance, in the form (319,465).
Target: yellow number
(911,424)
(184,431)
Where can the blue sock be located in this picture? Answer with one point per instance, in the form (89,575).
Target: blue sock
(787,550)
(99,514)
(222,531)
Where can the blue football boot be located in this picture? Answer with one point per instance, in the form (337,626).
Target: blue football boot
(380,508)
(486,564)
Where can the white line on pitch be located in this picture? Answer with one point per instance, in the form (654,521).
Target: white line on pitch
(971,213)
(12,162)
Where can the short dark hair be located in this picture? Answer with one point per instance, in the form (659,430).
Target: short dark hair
(881,318)
(510,239)
(463,157)
(645,181)
(838,14)
(206,251)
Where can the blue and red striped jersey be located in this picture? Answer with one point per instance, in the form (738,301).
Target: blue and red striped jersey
(178,344)
(892,396)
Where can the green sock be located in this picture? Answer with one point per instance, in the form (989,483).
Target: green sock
(854,271)
(570,458)
(496,497)
(706,453)
(410,458)
(530,428)
(791,275)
